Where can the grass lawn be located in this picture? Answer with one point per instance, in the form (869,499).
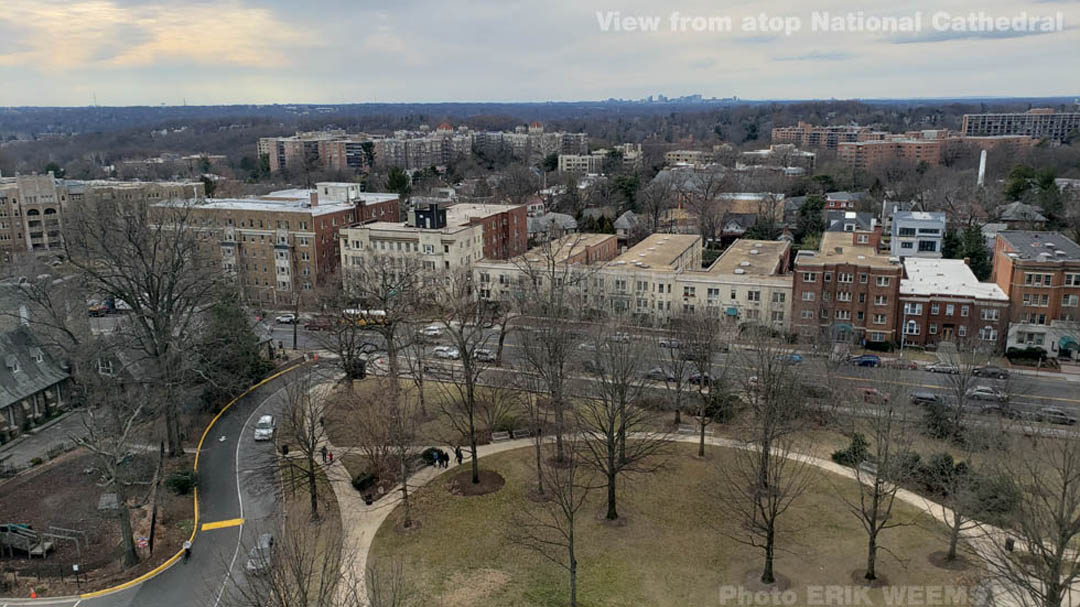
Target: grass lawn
(672,552)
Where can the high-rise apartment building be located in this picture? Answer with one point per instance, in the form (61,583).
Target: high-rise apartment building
(1041,123)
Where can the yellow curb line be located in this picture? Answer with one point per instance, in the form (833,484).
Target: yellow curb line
(156,570)
(233,522)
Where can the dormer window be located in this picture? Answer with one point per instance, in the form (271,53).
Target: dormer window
(37,355)
(12,363)
(105,366)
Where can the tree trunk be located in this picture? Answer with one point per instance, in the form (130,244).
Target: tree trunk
(871,557)
(499,349)
(701,443)
(573,567)
(612,513)
(407,522)
(472,450)
(678,416)
(767,576)
(124,516)
(954,537)
(539,467)
(560,455)
(172,428)
(313,487)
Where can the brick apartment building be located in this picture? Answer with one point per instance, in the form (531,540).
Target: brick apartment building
(916,147)
(942,300)
(1041,123)
(808,135)
(1040,273)
(283,244)
(846,291)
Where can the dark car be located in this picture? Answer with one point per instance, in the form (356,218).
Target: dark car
(866,360)
(699,379)
(927,398)
(591,366)
(990,371)
(321,323)
(658,374)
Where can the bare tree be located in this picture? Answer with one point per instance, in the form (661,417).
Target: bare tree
(703,337)
(655,200)
(531,405)
(549,528)
(305,408)
(607,420)
(701,193)
(162,269)
(1043,526)
(388,585)
(767,475)
(962,363)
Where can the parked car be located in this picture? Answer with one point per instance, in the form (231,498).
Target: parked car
(900,363)
(990,371)
(587,346)
(1004,410)
(620,338)
(987,393)
(1053,415)
(699,379)
(261,556)
(438,371)
(591,366)
(658,374)
(264,428)
(792,358)
(927,398)
(873,395)
(865,360)
(448,352)
(285,319)
(431,331)
(668,342)
(943,368)
(483,355)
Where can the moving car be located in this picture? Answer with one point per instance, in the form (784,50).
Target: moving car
(261,556)
(899,363)
(873,395)
(865,360)
(658,374)
(927,398)
(285,319)
(987,393)
(320,323)
(431,331)
(1053,415)
(943,368)
(990,371)
(264,428)
(483,355)
(792,358)
(448,352)
(587,346)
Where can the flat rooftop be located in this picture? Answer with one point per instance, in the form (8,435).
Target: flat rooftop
(752,257)
(926,277)
(460,214)
(836,247)
(658,250)
(563,247)
(1041,246)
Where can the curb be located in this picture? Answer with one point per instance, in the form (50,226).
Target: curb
(172,560)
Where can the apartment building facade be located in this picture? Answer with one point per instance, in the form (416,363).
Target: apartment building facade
(1040,273)
(1040,123)
(281,246)
(918,147)
(807,135)
(846,291)
(942,300)
(32,206)
(917,234)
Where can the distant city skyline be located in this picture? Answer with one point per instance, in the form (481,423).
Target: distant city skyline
(203,52)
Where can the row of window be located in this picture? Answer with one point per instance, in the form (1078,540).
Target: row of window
(846,277)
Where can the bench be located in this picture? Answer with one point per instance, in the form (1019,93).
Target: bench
(522,433)
(497,437)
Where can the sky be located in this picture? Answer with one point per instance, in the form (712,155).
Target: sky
(150,52)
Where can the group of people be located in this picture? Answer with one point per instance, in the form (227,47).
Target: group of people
(327,455)
(442,459)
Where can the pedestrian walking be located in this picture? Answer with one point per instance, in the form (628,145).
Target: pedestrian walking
(330,454)
(323,451)
(187,550)
(457,454)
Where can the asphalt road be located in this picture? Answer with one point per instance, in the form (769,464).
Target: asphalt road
(236,481)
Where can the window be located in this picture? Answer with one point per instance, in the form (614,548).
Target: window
(963,311)
(881,300)
(906,232)
(1038,280)
(777,316)
(991,314)
(808,296)
(843,296)
(779,297)
(807,314)
(911,328)
(928,246)
(753,314)
(713,293)
(935,308)
(862,298)
(949,309)
(845,277)
(875,336)
(961,330)
(933,329)
(883,281)
(914,309)
(988,334)
(1072,280)
(860,315)
(843,315)
(689,291)
(863,277)
(863,238)
(1070,301)
(733,295)
(828,277)
(753,296)
(809,276)
(906,245)
(879,319)
(104,366)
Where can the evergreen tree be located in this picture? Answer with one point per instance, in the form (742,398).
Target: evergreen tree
(230,358)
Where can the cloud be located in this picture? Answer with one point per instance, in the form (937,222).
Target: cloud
(949,35)
(817,56)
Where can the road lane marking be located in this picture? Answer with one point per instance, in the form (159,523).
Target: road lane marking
(233,522)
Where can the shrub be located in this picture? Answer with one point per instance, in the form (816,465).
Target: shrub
(36,461)
(855,453)
(182,483)
(364,482)
(880,346)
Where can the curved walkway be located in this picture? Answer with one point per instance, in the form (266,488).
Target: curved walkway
(361,522)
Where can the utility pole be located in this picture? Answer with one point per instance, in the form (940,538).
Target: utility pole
(296,321)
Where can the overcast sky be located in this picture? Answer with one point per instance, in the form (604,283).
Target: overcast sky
(127,52)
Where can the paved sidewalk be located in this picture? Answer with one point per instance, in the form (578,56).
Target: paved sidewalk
(21,451)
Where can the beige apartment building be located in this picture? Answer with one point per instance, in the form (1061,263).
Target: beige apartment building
(662,277)
(280,246)
(32,206)
(690,157)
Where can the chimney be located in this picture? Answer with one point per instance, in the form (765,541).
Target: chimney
(314,199)
(967,261)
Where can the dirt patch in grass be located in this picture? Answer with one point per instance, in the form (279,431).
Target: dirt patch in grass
(490,482)
(938,559)
(678,550)
(467,587)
